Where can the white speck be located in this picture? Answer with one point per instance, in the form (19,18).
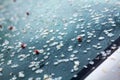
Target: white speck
(14,65)
(73,55)
(59,46)
(110,34)
(75,51)
(1,69)
(75,14)
(38,78)
(39,71)
(14,78)
(47,77)
(21,74)
(77,63)
(91,62)
(85,51)
(9,62)
(46,57)
(75,76)
(101,38)
(6,42)
(41,51)
(62,55)
(54,43)
(31,78)
(45,46)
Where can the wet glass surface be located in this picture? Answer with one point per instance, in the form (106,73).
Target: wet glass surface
(54,39)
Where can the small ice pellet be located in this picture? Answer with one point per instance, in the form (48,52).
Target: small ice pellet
(21,74)
(101,38)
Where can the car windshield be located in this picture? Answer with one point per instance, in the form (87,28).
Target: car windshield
(54,39)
